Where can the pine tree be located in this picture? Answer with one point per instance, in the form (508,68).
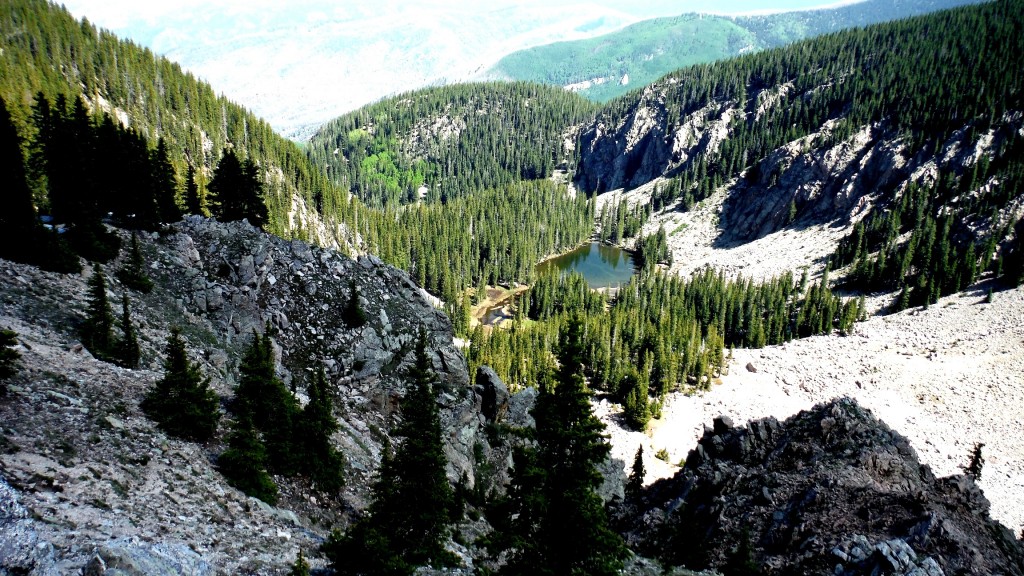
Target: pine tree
(165,186)
(97,332)
(262,397)
(300,567)
(128,354)
(635,405)
(8,355)
(413,504)
(182,402)
(319,459)
(193,202)
(133,273)
(635,482)
(560,525)
(22,237)
(973,468)
(18,221)
(741,562)
(244,463)
(237,191)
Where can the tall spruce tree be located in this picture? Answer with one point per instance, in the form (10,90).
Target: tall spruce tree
(97,331)
(319,459)
(413,504)
(22,237)
(262,397)
(182,402)
(193,202)
(128,353)
(133,272)
(165,184)
(8,355)
(244,463)
(237,191)
(18,221)
(558,521)
(635,482)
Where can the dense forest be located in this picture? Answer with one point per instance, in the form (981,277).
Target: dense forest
(659,333)
(450,140)
(45,50)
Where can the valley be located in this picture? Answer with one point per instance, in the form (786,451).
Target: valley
(786,287)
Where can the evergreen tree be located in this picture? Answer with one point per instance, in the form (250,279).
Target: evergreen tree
(413,504)
(262,397)
(973,468)
(22,237)
(635,405)
(133,273)
(193,202)
(244,463)
(8,356)
(319,459)
(165,186)
(635,482)
(128,354)
(237,191)
(253,206)
(182,402)
(18,221)
(300,567)
(97,331)
(559,523)
(353,314)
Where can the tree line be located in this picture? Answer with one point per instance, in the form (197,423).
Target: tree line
(84,171)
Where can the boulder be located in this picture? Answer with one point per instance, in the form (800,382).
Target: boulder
(493,392)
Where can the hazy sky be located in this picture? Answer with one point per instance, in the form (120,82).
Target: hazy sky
(301,62)
(122,15)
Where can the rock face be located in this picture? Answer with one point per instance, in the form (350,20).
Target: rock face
(820,178)
(831,490)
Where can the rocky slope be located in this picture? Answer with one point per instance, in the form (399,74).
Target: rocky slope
(88,480)
(830,490)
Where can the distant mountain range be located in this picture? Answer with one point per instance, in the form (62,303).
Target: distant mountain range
(610,65)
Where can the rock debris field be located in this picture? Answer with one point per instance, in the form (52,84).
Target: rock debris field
(945,377)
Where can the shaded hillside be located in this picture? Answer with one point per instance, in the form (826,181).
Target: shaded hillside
(46,50)
(830,490)
(450,140)
(608,66)
(830,130)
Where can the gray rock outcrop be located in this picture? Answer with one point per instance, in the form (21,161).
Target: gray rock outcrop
(831,490)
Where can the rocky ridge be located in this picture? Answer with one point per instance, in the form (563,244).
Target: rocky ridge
(830,490)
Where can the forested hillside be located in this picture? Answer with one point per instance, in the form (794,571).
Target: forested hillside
(46,51)
(450,140)
(841,126)
(500,135)
(608,66)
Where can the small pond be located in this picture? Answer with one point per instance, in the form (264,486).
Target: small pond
(602,266)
